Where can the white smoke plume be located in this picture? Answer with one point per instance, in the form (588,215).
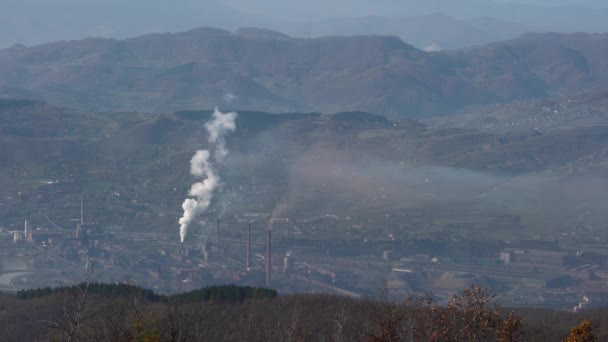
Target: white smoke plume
(201,167)
(217,129)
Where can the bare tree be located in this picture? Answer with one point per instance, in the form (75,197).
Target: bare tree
(123,320)
(75,313)
(340,323)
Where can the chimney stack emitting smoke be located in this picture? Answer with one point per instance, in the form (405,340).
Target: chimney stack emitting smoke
(268,257)
(81,209)
(218,237)
(248,247)
(201,167)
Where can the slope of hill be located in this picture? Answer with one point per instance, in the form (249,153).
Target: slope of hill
(134,169)
(198,68)
(558,113)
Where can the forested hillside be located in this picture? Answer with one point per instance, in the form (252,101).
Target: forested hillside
(125,313)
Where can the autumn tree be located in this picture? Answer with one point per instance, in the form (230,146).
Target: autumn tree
(583,332)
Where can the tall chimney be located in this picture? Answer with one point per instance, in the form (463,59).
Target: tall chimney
(81,209)
(268,257)
(247,265)
(218,236)
(25,230)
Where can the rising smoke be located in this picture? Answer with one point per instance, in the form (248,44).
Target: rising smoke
(202,168)
(217,129)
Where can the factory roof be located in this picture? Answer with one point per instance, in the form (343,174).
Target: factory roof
(540,253)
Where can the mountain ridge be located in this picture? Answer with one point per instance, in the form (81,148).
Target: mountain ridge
(260,70)
(35,21)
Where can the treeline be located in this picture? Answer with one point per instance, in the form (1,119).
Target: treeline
(223,293)
(104,312)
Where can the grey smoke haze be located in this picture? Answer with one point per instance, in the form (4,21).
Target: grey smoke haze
(31,22)
(326,178)
(319,180)
(330,184)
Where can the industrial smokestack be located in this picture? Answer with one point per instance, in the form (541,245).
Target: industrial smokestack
(268,257)
(287,264)
(218,236)
(25,229)
(247,265)
(81,209)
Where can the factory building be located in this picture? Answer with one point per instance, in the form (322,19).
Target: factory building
(541,258)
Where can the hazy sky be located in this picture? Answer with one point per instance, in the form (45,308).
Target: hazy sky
(296,9)
(36,21)
(587,3)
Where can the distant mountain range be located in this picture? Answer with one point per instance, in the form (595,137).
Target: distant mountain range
(446,23)
(266,70)
(560,16)
(31,22)
(435,30)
